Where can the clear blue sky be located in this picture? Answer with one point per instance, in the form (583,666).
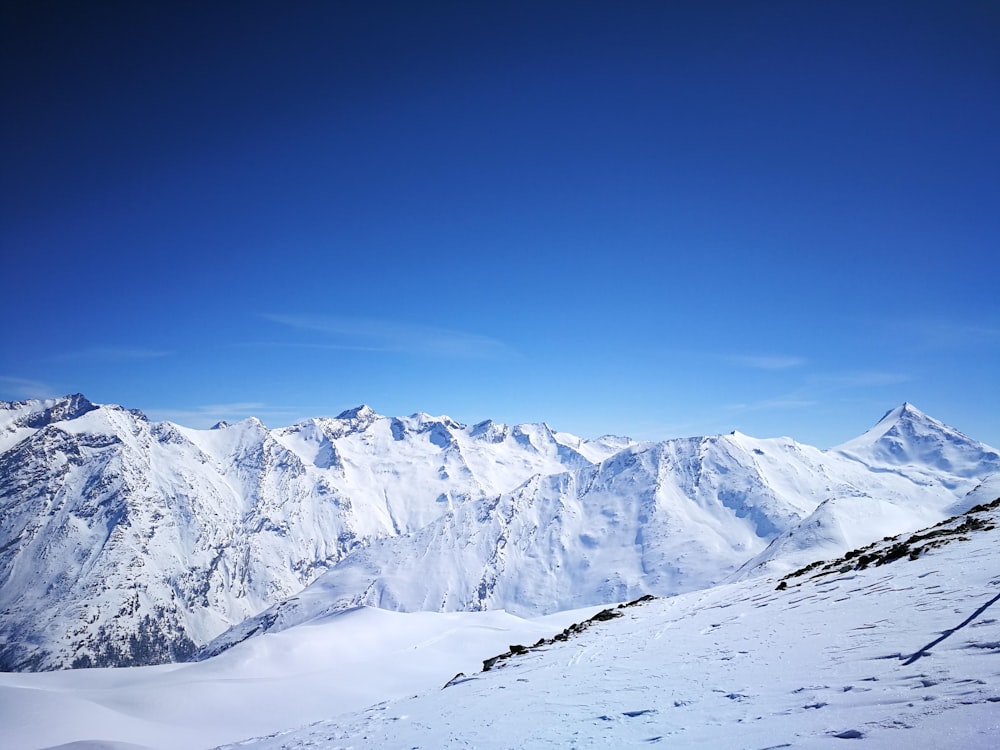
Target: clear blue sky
(647,218)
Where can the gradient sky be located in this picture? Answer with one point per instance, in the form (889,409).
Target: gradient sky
(649,218)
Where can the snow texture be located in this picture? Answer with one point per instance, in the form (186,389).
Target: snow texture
(874,645)
(900,653)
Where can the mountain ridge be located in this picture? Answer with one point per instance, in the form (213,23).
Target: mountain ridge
(157,539)
(155,536)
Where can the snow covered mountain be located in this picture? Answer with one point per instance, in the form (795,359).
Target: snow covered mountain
(129,542)
(904,443)
(661,518)
(911,441)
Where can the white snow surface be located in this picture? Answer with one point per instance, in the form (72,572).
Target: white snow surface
(897,655)
(341,663)
(908,440)
(900,655)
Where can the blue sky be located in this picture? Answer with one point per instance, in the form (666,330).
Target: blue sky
(655,219)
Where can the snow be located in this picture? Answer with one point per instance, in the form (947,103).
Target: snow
(464,536)
(200,529)
(340,663)
(898,655)
(662,518)
(195,535)
(854,655)
(907,438)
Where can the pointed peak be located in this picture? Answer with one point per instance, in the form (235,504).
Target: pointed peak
(905,417)
(73,405)
(361,413)
(248,423)
(491,431)
(906,435)
(906,410)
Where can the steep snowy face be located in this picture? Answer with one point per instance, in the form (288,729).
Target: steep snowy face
(78,523)
(18,419)
(126,542)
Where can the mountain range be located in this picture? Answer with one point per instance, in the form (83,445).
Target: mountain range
(127,542)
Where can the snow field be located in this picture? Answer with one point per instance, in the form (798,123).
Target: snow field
(818,665)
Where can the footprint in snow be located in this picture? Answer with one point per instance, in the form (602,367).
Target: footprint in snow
(811,687)
(850,734)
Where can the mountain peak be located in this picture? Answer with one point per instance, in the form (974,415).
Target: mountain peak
(57,410)
(361,413)
(906,435)
(906,410)
(905,417)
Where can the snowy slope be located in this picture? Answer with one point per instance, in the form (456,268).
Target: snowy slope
(130,542)
(661,518)
(907,444)
(983,492)
(898,654)
(345,662)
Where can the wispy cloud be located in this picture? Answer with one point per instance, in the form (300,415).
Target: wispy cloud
(940,333)
(767,404)
(112,354)
(307,345)
(210,414)
(766,361)
(365,334)
(22,388)
(861,379)
(817,389)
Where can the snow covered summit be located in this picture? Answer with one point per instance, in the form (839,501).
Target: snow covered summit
(906,436)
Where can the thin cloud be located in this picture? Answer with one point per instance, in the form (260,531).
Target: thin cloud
(863,379)
(113,354)
(365,334)
(23,388)
(774,403)
(938,334)
(766,362)
(304,345)
(210,414)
